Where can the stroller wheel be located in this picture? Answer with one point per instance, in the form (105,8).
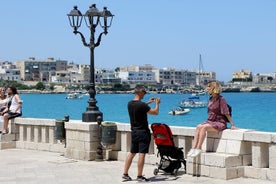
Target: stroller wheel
(155,171)
(175,172)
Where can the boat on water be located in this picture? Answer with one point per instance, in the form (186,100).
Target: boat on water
(193,102)
(74,96)
(179,111)
(199,93)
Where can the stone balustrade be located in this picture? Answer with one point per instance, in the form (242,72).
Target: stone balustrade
(31,133)
(226,155)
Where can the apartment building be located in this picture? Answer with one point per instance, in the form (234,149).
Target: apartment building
(40,70)
(242,76)
(269,78)
(84,71)
(203,77)
(172,76)
(136,68)
(9,72)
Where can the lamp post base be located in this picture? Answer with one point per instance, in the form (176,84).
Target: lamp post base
(92,116)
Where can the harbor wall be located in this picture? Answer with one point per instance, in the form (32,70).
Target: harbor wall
(226,155)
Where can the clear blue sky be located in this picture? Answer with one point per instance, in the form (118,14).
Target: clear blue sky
(229,34)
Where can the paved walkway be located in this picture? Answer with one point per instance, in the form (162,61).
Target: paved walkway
(29,166)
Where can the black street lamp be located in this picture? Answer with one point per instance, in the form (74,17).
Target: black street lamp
(93,17)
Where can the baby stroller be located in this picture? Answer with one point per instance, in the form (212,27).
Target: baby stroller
(171,157)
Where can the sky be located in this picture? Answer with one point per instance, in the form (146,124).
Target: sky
(230,35)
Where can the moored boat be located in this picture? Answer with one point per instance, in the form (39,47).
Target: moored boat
(179,111)
(193,103)
(74,96)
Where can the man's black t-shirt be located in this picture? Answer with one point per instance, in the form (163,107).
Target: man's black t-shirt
(137,111)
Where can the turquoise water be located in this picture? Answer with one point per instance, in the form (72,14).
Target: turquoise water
(249,110)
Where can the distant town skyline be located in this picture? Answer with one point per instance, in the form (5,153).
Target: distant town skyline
(238,74)
(230,35)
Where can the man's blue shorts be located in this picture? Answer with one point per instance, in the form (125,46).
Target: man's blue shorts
(140,141)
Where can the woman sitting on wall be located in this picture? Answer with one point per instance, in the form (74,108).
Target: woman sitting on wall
(3,104)
(14,108)
(218,116)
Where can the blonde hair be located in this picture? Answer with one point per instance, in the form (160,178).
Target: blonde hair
(215,87)
(2,88)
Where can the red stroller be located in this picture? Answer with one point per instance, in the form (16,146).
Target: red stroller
(171,156)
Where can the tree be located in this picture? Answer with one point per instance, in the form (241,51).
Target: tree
(52,87)
(40,86)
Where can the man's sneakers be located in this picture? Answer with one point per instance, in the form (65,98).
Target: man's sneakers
(126,177)
(142,179)
(194,153)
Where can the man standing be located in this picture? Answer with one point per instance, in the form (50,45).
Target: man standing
(140,133)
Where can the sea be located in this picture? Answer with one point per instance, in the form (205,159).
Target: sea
(255,111)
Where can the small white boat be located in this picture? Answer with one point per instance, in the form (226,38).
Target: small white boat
(74,96)
(179,111)
(199,93)
(193,102)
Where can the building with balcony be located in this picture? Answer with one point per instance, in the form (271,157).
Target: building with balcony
(110,78)
(146,67)
(139,77)
(265,78)
(9,72)
(242,76)
(203,77)
(172,76)
(84,71)
(40,70)
(137,74)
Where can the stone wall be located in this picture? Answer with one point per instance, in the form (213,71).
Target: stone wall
(227,155)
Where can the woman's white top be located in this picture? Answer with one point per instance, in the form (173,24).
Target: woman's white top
(14,104)
(4,102)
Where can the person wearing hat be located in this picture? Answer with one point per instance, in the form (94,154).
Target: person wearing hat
(140,133)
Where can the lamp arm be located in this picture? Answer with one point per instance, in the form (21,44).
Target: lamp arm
(82,38)
(99,39)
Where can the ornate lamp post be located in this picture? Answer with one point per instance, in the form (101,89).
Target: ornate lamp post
(93,17)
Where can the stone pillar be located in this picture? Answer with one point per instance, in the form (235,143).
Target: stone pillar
(37,134)
(82,140)
(272,156)
(185,143)
(260,155)
(125,141)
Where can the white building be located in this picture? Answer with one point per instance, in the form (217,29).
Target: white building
(172,76)
(265,78)
(9,72)
(137,76)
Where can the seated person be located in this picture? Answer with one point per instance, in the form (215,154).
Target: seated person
(218,116)
(3,99)
(3,104)
(14,108)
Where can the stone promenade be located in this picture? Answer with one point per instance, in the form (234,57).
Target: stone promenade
(29,166)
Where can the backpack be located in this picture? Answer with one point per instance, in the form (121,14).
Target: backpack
(229,108)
